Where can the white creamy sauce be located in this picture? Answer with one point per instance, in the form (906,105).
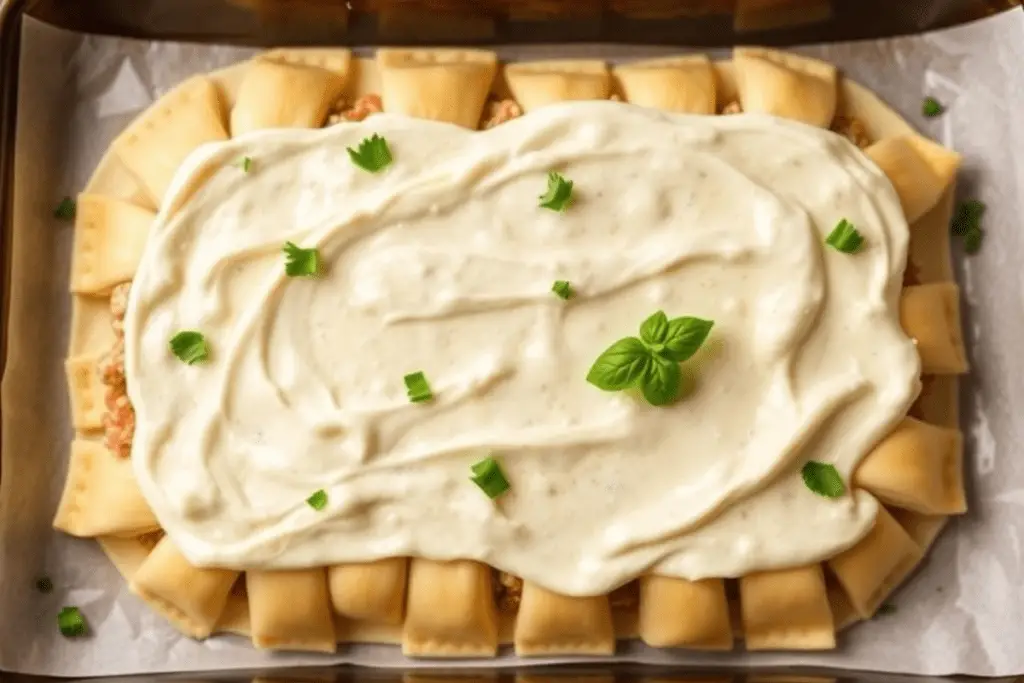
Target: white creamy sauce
(444,264)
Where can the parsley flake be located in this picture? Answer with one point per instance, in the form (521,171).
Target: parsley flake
(559,194)
(418,388)
(488,476)
(318,501)
(66,209)
(245,163)
(562,289)
(190,347)
(845,238)
(967,224)
(299,262)
(372,155)
(823,478)
(931,107)
(71,622)
(973,240)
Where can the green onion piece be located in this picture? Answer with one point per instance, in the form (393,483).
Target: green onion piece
(299,262)
(823,479)
(71,622)
(931,107)
(318,501)
(559,194)
(845,238)
(44,584)
(562,289)
(973,240)
(885,609)
(417,387)
(488,476)
(372,154)
(245,163)
(967,216)
(190,347)
(66,209)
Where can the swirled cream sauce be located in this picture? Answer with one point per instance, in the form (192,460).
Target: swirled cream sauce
(444,263)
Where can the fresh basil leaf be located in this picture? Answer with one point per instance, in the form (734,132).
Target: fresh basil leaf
(654,330)
(621,366)
(823,478)
(661,382)
(684,337)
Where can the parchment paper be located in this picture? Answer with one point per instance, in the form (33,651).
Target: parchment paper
(962,613)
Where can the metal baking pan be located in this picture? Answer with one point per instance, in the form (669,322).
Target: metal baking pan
(410,22)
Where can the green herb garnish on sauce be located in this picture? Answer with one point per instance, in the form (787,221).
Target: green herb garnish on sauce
(299,262)
(559,194)
(372,155)
(562,289)
(845,238)
(190,347)
(488,476)
(418,388)
(823,478)
(317,501)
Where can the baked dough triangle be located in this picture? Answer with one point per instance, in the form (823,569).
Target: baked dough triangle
(552,624)
(449,610)
(284,95)
(920,170)
(684,84)
(290,610)
(373,591)
(443,85)
(536,84)
(110,236)
(786,85)
(931,315)
(787,609)
(680,613)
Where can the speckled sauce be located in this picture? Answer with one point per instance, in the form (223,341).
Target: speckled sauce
(443,263)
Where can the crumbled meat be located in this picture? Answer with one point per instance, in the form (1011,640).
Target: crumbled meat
(499,111)
(119,418)
(732,108)
(852,129)
(357,111)
(508,590)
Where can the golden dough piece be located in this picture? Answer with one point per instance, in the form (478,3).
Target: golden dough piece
(370,591)
(86,391)
(290,610)
(109,238)
(872,568)
(931,315)
(919,467)
(924,529)
(449,610)
(100,495)
(920,170)
(786,85)
(277,95)
(536,84)
(680,613)
(156,143)
(552,624)
(189,597)
(328,58)
(443,85)
(787,610)
(677,84)
(939,401)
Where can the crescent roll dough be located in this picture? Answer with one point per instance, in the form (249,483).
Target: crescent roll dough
(678,84)
(550,624)
(872,568)
(449,610)
(786,85)
(290,610)
(681,613)
(86,391)
(444,85)
(920,170)
(931,315)
(282,95)
(190,598)
(374,591)
(109,238)
(786,610)
(535,84)
(918,467)
(100,495)
(156,143)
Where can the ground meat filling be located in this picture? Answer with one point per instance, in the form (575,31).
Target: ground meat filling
(343,110)
(732,108)
(498,111)
(852,129)
(119,418)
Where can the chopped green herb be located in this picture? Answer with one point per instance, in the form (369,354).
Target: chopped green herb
(44,584)
(66,209)
(372,155)
(931,107)
(562,289)
(823,478)
(559,194)
(885,609)
(973,240)
(300,262)
(967,216)
(245,163)
(488,476)
(651,362)
(318,501)
(845,238)
(71,622)
(190,347)
(417,387)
